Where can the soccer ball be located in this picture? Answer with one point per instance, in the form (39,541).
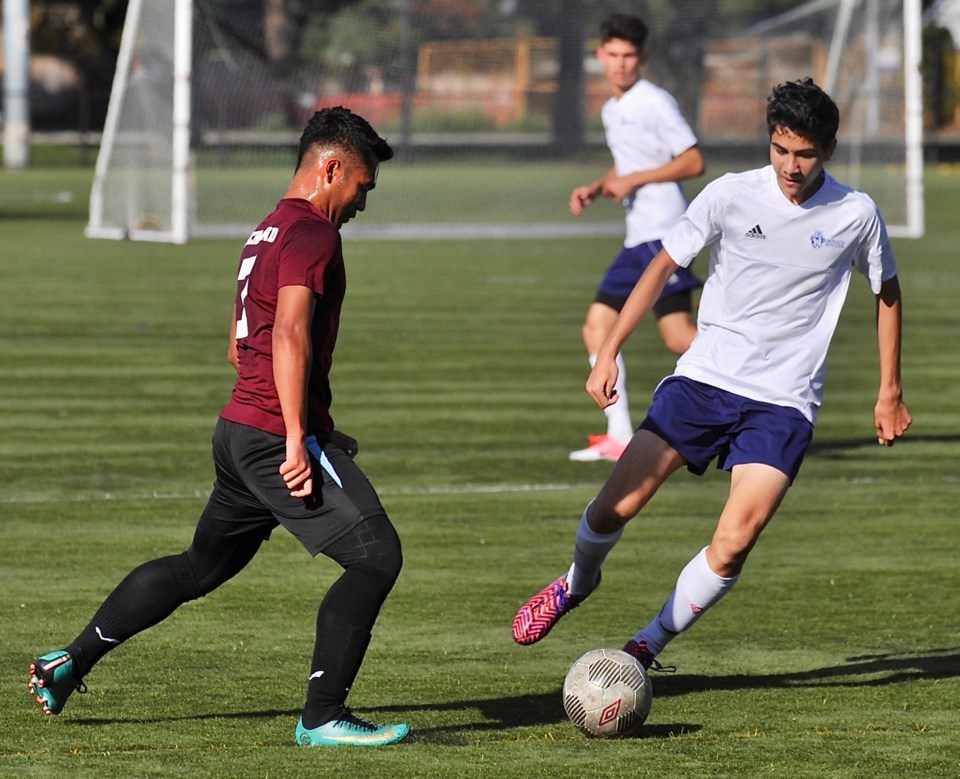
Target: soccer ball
(607,694)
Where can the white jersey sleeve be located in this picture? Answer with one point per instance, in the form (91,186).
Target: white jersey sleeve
(700,225)
(875,259)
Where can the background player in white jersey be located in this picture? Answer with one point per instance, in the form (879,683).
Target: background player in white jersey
(784,240)
(278,459)
(653,149)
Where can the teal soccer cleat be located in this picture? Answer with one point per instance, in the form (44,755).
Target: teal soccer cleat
(348,730)
(52,681)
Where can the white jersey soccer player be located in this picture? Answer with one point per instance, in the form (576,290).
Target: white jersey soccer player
(776,284)
(653,150)
(644,130)
(784,242)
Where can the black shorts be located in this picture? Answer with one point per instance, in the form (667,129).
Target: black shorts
(250,496)
(677,303)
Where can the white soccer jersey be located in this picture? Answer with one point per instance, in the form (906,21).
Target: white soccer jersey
(778,277)
(645,130)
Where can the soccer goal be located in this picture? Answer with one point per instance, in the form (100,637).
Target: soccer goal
(871,68)
(494,120)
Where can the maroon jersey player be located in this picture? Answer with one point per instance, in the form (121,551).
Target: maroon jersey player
(277,457)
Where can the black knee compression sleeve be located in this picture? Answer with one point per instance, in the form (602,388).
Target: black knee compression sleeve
(372,558)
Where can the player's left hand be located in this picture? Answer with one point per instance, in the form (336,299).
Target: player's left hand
(891,418)
(347,443)
(601,382)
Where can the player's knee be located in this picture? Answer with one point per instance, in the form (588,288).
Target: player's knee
(384,557)
(677,343)
(376,576)
(608,516)
(179,573)
(590,334)
(677,333)
(729,551)
(390,561)
(596,326)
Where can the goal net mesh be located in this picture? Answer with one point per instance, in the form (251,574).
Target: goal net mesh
(492,105)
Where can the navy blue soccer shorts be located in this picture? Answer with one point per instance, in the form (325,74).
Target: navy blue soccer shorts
(702,422)
(627,268)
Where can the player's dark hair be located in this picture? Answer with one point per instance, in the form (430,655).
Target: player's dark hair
(805,109)
(342,128)
(625,28)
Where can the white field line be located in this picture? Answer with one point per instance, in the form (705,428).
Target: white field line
(466,489)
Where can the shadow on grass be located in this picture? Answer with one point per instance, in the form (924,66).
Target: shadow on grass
(547,708)
(505,714)
(542,709)
(884,669)
(838,448)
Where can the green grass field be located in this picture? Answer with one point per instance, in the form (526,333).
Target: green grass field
(460,370)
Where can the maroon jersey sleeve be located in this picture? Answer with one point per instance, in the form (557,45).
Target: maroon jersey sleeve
(307,252)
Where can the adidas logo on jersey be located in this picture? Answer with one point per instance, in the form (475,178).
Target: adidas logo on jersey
(755,232)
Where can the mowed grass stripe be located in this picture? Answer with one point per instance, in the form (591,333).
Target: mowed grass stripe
(461,371)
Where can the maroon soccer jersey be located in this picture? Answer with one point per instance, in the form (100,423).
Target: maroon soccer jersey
(296,245)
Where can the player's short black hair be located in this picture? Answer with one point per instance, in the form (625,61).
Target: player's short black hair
(802,107)
(624,27)
(342,128)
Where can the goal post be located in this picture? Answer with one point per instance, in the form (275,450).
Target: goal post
(913,118)
(141,187)
(871,65)
(208,102)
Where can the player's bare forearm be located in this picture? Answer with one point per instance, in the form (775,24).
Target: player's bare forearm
(291,365)
(686,165)
(892,418)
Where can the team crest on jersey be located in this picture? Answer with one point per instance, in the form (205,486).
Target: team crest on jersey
(818,240)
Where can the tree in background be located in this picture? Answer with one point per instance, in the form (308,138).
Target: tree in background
(373,44)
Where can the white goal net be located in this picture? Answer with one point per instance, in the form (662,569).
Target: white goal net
(491,105)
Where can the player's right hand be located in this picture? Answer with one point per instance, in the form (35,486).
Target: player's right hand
(601,383)
(296,470)
(892,419)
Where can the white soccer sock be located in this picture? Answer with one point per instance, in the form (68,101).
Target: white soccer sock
(698,588)
(591,550)
(618,415)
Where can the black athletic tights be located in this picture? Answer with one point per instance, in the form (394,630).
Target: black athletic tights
(370,555)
